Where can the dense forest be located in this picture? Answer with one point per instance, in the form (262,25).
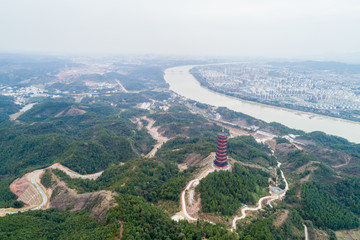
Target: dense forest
(333,142)
(327,191)
(144,221)
(223,192)
(86,142)
(325,211)
(150,179)
(94,138)
(54,224)
(246,149)
(7,198)
(178,149)
(7,107)
(102,137)
(99,133)
(178,120)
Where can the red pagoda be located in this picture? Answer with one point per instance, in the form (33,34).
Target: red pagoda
(221,152)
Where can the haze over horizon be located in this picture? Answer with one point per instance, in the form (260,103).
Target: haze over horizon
(289,29)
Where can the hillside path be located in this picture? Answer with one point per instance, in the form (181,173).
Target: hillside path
(74,174)
(33,178)
(155,134)
(183,214)
(259,205)
(306,232)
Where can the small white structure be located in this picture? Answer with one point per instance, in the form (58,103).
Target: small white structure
(277,190)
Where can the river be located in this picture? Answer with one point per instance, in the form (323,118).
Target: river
(185,84)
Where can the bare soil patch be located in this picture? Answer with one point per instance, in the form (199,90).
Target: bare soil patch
(75,112)
(334,158)
(138,122)
(231,160)
(234,131)
(182,166)
(284,149)
(66,198)
(25,191)
(348,234)
(272,144)
(281,219)
(20,185)
(193,205)
(193,159)
(308,166)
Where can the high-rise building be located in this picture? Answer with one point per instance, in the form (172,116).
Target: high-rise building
(221,152)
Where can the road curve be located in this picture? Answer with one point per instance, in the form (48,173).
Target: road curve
(183,200)
(35,181)
(74,174)
(243,210)
(153,131)
(259,206)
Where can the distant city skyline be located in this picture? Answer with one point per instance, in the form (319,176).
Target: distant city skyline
(323,29)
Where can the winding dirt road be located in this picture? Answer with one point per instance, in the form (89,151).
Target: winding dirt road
(306,232)
(34,177)
(347,161)
(183,214)
(153,131)
(183,198)
(74,174)
(259,205)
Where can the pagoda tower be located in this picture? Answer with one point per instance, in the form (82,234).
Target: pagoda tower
(221,152)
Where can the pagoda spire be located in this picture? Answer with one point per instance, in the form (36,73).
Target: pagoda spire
(221,151)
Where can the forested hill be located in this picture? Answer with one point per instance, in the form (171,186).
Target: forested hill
(224,192)
(99,120)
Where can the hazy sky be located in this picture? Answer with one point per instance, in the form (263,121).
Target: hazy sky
(275,28)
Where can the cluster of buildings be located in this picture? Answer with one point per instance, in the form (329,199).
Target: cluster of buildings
(286,86)
(21,95)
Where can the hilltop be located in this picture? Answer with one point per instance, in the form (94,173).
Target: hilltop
(121,162)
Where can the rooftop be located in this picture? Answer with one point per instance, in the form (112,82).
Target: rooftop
(277,190)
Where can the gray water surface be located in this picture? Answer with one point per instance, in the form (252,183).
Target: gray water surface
(184,83)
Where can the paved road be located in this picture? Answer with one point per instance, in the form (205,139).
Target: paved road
(35,181)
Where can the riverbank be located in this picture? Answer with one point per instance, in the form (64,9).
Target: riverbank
(325,113)
(185,84)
